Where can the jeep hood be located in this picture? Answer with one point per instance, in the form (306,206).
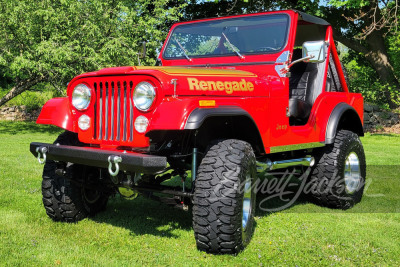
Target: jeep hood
(193,81)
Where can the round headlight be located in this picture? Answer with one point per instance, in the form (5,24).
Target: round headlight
(144,95)
(81,97)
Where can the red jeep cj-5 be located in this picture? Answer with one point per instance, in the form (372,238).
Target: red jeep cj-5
(230,98)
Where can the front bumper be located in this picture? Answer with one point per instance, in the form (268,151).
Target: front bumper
(96,157)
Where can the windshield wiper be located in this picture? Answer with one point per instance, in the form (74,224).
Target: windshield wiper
(183,50)
(233,48)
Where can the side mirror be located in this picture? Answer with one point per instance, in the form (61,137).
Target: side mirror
(142,53)
(315,51)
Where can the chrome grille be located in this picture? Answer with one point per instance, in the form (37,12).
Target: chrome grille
(114,111)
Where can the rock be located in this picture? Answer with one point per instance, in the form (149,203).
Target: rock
(368,107)
(22,109)
(376,108)
(366,117)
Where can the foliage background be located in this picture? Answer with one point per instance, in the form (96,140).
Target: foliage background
(44,44)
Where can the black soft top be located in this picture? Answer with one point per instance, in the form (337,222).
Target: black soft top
(312,19)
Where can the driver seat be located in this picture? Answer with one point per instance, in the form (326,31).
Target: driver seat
(305,85)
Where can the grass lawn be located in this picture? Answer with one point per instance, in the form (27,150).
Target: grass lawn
(144,232)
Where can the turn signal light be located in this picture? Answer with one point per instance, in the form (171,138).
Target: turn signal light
(207,103)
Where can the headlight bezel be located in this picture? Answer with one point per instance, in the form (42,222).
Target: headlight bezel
(153,95)
(88,97)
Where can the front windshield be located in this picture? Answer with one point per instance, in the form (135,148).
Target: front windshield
(235,36)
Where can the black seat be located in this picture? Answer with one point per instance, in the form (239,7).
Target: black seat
(305,84)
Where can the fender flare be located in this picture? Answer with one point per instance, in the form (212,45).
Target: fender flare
(199,115)
(335,118)
(57,112)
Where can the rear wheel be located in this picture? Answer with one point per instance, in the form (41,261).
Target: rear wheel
(224,202)
(338,178)
(69,197)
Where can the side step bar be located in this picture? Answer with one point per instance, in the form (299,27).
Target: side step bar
(269,165)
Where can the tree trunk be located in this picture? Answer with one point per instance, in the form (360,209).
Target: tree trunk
(377,56)
(19,88)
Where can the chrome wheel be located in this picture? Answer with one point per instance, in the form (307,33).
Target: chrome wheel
(352,175)
(91,196)
(246,211)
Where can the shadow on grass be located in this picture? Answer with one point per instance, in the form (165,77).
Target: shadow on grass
(20,127)
(143,216)
(385,134)
(276,205)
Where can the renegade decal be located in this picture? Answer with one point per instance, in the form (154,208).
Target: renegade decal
(229,87)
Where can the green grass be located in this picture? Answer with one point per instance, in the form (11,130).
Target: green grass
(144,232)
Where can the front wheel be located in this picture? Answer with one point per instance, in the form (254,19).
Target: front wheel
(71,199)
(224,202)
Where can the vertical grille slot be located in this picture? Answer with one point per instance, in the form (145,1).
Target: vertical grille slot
(125,109)
(100,101)
(112,89)
(130,112)
(106,112)
(95,111)
(113,111)
(118,111)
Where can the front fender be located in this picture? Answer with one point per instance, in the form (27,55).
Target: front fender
(198,116)
(172,113)
(57,112)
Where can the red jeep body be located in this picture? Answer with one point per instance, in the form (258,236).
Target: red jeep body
(266,102)
(251,85)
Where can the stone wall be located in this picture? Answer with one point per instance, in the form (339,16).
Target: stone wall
(18,113)
(376,118)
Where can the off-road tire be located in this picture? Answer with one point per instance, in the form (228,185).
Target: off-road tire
(327,184)
(65,199)
(218,197)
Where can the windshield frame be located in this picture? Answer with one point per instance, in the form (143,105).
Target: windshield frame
(285,43)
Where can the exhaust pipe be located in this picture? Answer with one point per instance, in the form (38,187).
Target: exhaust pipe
(269,165)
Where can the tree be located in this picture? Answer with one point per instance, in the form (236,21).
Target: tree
(362,25)
(53,41)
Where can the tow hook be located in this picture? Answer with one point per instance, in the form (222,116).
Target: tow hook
(41,150)
(114,160)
